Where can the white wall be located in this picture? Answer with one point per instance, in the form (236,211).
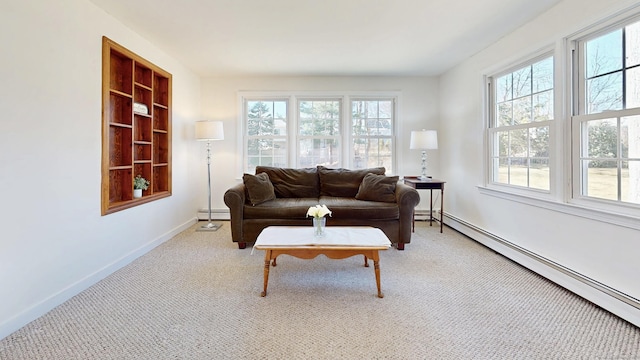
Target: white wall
(53,240)
(418,110)
(598,250)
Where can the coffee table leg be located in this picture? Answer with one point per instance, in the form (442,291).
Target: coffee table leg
(267,262)
(366,261)
(376,268)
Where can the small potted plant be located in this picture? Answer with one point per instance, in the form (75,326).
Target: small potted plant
(139,184)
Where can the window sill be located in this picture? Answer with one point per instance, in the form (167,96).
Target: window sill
(609,217)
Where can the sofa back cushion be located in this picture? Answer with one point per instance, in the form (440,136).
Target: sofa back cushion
(259,188)
(292,183)
(343,182)
(378,188)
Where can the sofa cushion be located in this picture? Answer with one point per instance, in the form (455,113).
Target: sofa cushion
(343,182)
(351,208)
(292,183)
(281,208)
(259,188)
(378,188)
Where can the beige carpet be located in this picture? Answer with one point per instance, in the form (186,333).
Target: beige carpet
(446,297)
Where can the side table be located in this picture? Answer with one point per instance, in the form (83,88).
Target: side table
(428,184)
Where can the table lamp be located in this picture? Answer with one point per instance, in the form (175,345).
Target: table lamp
(424,140)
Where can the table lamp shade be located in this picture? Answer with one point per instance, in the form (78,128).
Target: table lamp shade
(209,130)
(424,140)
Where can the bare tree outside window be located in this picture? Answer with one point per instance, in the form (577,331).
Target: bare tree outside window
(372,133)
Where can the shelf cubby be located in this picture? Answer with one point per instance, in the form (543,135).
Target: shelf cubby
(160,148)
(143,95)
(120,185)
(143,75)
(134,143)
(142,128)
(119,146)
(161,90)
(121,69)
(160,118)
(160,182)
(142,152)
(120,109)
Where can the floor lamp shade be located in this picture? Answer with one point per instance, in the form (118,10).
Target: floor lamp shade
(209,130)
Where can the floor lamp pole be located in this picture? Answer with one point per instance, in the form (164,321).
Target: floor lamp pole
(210,226)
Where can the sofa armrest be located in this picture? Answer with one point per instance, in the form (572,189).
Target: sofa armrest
(407,199)
(235,198)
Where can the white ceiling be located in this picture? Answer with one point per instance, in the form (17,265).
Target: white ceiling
(323,37)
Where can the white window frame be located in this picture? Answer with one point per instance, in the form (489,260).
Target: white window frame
(562,153)
(293,98)
(491,129)
(577,116)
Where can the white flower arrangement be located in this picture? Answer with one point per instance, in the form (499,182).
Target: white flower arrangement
(318,211)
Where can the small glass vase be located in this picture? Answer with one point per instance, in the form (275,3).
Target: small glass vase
(319,225)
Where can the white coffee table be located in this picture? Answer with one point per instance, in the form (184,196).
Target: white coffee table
(339,242)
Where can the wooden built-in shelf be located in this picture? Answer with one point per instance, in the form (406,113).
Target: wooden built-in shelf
(136,140)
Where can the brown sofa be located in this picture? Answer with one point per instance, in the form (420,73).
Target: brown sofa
(282,196)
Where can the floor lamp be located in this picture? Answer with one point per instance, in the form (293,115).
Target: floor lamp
(424,140)
(208,131)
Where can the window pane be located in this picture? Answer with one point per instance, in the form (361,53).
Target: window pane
(504,113)
(543,75)
(601,179)
(522,110)
(630,137)
(372,153)
(602,140)
(314,152)
(269,152)
(543,106)
(503,88)
(604,54)
(539,142)
(604,93)
(519,143)
(632,44)
(522,82)
(371,118)
(502,166)
(539,173)
(632,97)
(502,139)
(519,171)
(630,191)
(266,118)
(319,118)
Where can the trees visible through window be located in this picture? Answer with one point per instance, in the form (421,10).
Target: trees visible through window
(372,133)
(266,133)
(320,131)
(520,121)
(606,121)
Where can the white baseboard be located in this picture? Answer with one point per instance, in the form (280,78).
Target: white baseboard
(216,214)
(23,318)
(616,302)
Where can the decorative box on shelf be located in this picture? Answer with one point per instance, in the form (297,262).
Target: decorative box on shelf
(140,108)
